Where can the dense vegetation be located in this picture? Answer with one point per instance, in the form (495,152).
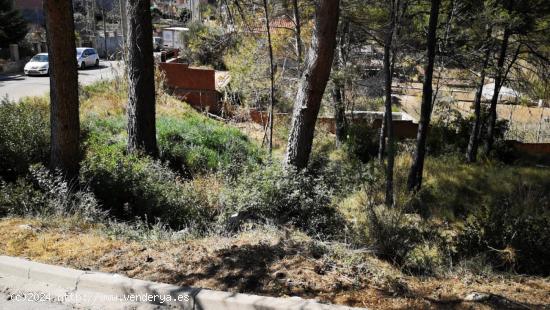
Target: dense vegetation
(210,177)
(450,198)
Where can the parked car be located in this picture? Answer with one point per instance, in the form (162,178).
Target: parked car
(38,65)
(86,57)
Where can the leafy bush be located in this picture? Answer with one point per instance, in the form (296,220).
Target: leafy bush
(47,193)
(206,45)
(513,231)
(452,133)
(195,144)
(24,136)
(130,185)
(362,141)
(284,197)
(416,245)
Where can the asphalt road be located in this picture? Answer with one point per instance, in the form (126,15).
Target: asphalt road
(17,86)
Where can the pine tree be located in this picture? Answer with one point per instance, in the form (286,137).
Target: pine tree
(13,27)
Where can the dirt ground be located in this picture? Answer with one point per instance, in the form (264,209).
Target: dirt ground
(268,262)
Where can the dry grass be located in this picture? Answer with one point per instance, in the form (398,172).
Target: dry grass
(265,261)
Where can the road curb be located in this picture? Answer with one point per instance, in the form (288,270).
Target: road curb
(97,283)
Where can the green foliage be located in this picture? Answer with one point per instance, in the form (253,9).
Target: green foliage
(196,144)
(184,15)
(452,133)
(45,193)
(206,45)
(249,69)
(130,185)
(284,197)
(24,136)
(362,141)
(13,27)
(406,240)
(512,230)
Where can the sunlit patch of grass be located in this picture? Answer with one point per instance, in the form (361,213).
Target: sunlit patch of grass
(63,242)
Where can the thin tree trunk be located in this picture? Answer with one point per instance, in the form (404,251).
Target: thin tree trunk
(141,88)
(338,90)
(415,175)
(498,84)
(272,79)
(382,139)
(64,117)
(313,83)
(473,143)
(299,46)
(104,30)
(388,119)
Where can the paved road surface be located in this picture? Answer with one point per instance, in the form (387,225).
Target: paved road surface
(17,86)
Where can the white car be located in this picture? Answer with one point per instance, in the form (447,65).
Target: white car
(38,65)
(86,57)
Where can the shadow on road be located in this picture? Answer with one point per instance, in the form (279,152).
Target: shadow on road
(12,77)
(101,66)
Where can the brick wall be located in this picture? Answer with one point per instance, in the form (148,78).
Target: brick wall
(403,129)
(192,85)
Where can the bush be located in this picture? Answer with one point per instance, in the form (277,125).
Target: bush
(24,136)
(414,244)
(513,231)
(197,145)
(46,193)
(130,186)
(363,142)
(452,134)
(275,195)
(206,45)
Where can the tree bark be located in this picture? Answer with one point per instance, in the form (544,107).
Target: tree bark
(272,79)
(298,26)
(498,84)
(313,83)
(64,117)
(417,168)
(338,95)
(388,119)
(141,71)
(473,143)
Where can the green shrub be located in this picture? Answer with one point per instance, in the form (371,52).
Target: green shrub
(45,193)
(206,45)
(363,142)
(131,185)
(195,144)
(513,231)
(451,134)
(24,136)
(424,258)
(283,197)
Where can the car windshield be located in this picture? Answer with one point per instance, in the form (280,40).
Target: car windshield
(40,58)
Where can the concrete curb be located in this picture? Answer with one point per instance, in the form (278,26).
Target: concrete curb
(98,283)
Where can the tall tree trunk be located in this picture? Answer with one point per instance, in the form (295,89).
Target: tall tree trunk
(141,71)
(313,83)
(473,143)
(272,78)
(64,117)
(388,119)
(417,168)
(297,33)
(498,84)
(382,139)
(338,90)
(106,54)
